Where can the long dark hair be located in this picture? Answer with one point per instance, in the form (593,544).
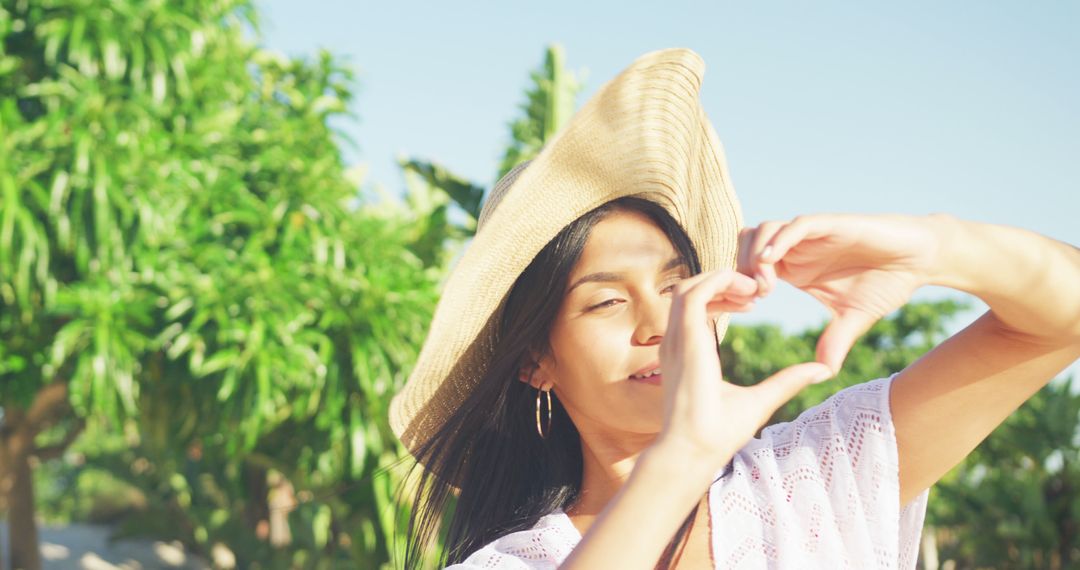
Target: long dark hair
(508,476)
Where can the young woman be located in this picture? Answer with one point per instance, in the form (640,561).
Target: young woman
(569,393)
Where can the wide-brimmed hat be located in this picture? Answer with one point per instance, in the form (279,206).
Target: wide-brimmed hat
(645,134)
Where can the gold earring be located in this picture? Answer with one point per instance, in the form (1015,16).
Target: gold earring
(538,430)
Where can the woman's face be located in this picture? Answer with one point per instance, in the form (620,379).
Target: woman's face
(612,319)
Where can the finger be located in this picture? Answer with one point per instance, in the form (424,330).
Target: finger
(840,335)
(689,305)
(676,316)
(717,282)
(724,284)
(685,284)
(725,306)
(746,245)
(762,272)
(738,296)
(782,386)
(766,276)
(800,228)
(687,321)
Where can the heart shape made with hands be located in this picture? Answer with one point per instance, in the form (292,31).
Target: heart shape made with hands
(860,267)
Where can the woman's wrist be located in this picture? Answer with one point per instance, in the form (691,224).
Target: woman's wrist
(970,256)
(685,461)
(953,248)
(1028,280)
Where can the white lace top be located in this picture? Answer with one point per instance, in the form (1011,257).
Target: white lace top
(821,491)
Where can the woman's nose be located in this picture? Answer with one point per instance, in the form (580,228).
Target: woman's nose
(652,319)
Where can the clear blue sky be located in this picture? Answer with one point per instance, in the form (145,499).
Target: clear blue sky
(971,108)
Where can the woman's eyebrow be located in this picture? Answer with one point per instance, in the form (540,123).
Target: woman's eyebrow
(608,277)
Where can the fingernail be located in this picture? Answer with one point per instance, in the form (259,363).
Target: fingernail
(766,254)
(821,376)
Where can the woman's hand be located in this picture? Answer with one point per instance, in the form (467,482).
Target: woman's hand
(705,416)
(861,267)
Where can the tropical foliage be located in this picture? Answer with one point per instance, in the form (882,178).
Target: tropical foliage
(204,319)
(180,258)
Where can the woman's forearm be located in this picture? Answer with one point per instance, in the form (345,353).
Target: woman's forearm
(640,520)
(1030,282)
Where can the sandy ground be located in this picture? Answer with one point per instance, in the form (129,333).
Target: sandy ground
(87,547)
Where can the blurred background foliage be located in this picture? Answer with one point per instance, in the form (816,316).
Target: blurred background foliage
(202,317)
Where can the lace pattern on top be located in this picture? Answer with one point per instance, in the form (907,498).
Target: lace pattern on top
(820,491)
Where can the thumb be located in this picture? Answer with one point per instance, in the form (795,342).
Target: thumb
(840,335)
(782,386)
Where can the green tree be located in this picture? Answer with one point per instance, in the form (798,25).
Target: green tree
(178,253)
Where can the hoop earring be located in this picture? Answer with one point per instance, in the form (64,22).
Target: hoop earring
(542,433)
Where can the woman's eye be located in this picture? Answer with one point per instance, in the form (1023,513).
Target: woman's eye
(602,305)
(611,302)
(674,283)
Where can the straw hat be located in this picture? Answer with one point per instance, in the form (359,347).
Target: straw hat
(643,133)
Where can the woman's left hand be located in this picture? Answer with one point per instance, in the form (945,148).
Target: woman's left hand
(861,267)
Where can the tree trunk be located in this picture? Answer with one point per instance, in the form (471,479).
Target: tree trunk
(17,491)
(22,528)
(929,548)
(256,508)
(17,433)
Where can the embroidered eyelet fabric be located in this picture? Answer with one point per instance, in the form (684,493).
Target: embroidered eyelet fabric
(820,491)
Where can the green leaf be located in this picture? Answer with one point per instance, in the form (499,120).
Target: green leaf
(466,194)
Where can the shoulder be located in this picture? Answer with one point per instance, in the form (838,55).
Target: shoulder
(543,546)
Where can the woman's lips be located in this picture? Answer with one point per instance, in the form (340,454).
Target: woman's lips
(651,379)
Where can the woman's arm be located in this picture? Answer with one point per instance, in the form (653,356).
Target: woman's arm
(863,267)
(949,400)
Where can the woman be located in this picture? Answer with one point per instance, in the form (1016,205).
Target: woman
(601,277)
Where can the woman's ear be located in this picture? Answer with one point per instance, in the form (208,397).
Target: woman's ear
(527,373)
(532,374)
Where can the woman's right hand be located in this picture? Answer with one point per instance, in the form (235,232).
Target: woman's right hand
(704,415)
